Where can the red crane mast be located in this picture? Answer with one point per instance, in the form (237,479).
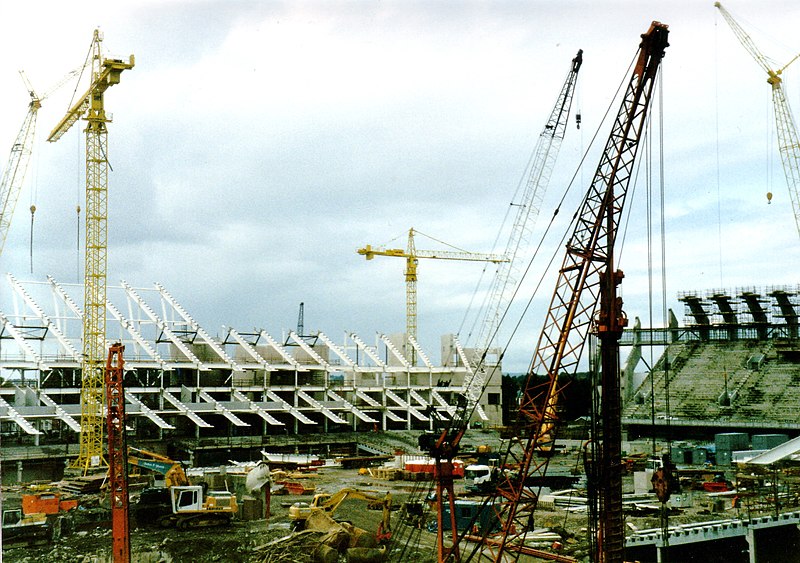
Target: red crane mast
(117,454)
(587,277)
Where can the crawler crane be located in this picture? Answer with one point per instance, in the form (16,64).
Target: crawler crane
(587,276)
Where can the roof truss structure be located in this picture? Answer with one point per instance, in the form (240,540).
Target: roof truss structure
(177,369)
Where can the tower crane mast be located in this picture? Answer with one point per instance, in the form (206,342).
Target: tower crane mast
(587,276)
(90,106)
(788,140)
(412,256)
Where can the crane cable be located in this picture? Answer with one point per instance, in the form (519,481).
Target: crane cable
(556,252)
(78,183)
(557,249)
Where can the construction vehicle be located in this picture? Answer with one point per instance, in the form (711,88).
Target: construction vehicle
(155,502)
(172,471)
(190,509)
(328,503)
(42,518)
(32,529)
(480,478)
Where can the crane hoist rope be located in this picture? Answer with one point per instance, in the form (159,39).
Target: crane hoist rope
(587,277)
(90,106)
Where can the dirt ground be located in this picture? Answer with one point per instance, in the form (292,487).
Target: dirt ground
(239,542)
(247,541)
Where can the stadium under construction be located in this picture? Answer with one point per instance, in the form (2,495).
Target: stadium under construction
(205,395)
(731,366)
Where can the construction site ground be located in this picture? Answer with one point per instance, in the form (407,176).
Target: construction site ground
(248,541)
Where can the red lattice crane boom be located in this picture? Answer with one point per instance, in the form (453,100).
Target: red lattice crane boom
(587,272)
(117,454)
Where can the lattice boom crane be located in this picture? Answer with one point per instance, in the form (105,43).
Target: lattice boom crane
(90,106)
(19,158)
(587,277)
(788,140)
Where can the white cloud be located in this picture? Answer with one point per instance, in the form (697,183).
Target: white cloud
(257,145)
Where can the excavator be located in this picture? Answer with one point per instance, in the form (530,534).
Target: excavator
(178,503)
(328,503)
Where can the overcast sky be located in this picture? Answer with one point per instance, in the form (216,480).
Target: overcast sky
(256,145)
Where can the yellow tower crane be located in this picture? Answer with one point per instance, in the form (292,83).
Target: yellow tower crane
(412,256)
(105,73)
(788,143)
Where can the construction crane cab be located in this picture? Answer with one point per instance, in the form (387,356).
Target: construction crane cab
(299,512)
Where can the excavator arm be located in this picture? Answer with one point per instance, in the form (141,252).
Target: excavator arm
(173,472)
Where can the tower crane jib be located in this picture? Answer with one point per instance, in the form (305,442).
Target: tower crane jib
(412,256)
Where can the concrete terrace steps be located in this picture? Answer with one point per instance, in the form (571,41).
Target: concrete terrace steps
(698,381)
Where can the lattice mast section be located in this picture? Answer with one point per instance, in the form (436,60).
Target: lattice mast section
(117,454)
(14,174)
(588,256)
(105,73)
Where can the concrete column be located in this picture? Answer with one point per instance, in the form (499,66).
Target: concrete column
(19,471)
(751,544)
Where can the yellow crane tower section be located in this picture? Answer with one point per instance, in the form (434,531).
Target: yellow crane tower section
(788,143)
(412,256)
(90,106)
